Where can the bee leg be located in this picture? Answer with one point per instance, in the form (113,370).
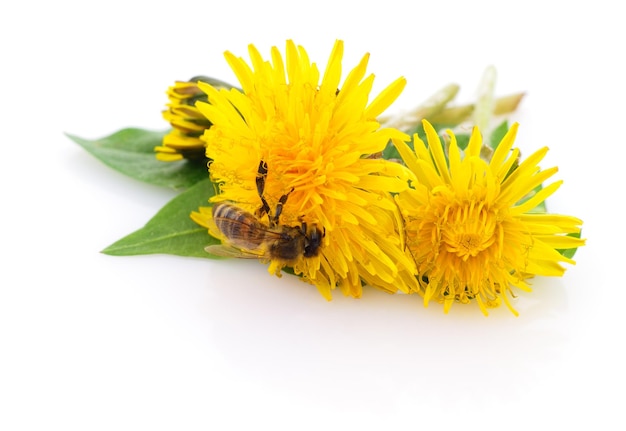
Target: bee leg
(260,187)
(279,207)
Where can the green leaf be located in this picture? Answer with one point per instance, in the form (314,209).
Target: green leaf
(391,153)
(497,134)
(131,152)
(462,140)
(171,230)
(541,208)
(570,252)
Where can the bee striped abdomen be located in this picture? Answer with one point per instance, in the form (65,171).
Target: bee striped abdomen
(241,228)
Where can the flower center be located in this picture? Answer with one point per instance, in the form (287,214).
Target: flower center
(468,229)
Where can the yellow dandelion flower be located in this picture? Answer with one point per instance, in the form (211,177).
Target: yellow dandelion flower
(293,144)
(470,225)
(188,124)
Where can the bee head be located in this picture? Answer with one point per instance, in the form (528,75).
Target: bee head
(313,240)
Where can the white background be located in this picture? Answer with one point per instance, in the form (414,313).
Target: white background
(91,342)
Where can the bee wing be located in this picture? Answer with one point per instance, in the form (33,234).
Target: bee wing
(247,233)
(223,250)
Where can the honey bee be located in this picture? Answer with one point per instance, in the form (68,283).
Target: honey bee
(247,237)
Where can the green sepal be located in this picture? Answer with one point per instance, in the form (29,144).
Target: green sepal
(485,102)
(131,152)
(570,252)
(171,230)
